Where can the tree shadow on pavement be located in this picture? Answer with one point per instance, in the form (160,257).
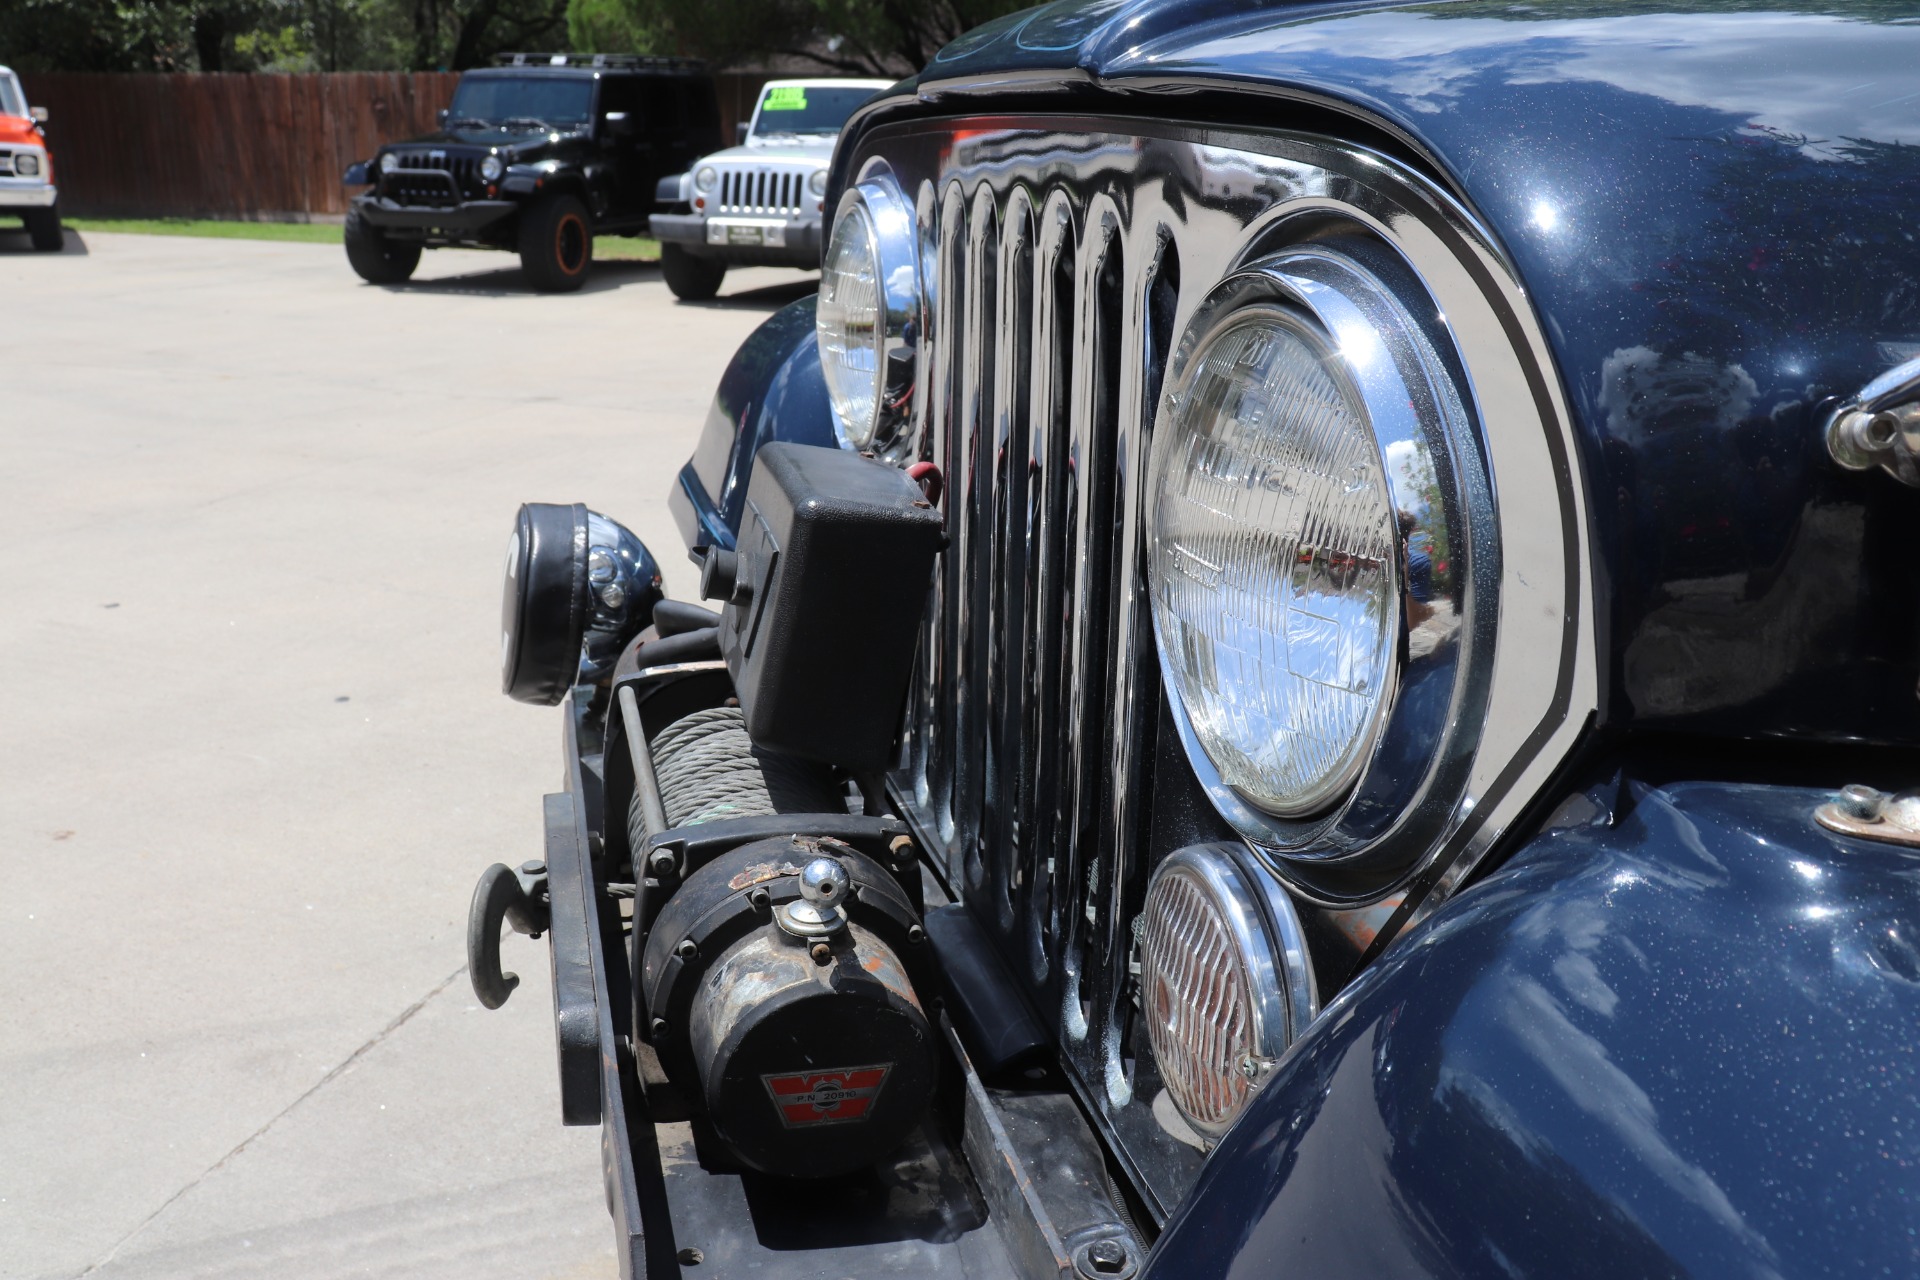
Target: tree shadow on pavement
(15,240)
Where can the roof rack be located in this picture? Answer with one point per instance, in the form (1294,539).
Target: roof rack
(606,61)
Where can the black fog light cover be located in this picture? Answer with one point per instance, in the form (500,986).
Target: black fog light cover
(578,587)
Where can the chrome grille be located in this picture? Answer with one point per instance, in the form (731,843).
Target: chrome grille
(764,191)
(1060,263)
(1034,699)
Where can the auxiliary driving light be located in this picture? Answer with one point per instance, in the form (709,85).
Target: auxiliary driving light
(1224,982)
(578,587)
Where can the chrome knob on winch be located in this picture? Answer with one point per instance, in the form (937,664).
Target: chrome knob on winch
(824,884)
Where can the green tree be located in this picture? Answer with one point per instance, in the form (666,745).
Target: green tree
(861,37)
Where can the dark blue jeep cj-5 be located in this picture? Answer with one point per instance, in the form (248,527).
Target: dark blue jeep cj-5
(1312,672)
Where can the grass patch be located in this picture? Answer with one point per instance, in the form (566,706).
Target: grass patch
(303,232)
(606,248)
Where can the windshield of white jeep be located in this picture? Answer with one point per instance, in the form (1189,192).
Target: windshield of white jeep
(12,101)
(552,100)
(807,108)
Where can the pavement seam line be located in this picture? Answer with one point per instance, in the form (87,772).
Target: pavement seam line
(340,1068)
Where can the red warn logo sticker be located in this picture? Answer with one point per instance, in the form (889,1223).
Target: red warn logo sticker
(827,1097)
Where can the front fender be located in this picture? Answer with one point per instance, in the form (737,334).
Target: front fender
(1680,1045)
(773,390)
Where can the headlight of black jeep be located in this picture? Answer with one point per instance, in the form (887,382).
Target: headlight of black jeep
(491,167)
(389,162)
(1305,546)
(868,315)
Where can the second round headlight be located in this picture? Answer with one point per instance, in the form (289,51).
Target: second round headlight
(1274,570)
(491,167)
(704,178)
(867,317)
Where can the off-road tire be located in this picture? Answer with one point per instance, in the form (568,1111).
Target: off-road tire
(377,257)
(693,278)
(43,225)
(556,244)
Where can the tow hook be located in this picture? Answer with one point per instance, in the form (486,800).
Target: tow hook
(520,899)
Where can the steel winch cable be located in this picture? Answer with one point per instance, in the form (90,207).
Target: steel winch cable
(708,769)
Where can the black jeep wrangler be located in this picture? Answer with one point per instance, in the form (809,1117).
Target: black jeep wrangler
(537,155)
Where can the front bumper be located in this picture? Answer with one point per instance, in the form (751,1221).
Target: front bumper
(27,195)
(461,219)
(754,241)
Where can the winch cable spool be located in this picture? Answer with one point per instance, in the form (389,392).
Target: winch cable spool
(707,769)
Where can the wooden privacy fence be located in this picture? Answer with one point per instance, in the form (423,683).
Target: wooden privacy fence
(253,147)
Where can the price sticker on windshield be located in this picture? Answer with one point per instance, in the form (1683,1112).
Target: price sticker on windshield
(786,97)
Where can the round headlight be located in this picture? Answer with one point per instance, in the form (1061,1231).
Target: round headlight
(1274,561)
(389,162)
(26,164)
(817,182)
(867,316)
(491,168)
(704,178)
(1224,982)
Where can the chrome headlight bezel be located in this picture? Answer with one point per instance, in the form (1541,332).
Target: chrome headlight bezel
(1392,348)
(893,242)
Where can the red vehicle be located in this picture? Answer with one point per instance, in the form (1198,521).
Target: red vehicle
(26,166)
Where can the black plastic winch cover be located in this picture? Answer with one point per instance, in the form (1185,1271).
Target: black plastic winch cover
(824,593)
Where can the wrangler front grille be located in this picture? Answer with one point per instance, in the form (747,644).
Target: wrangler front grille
(427,178)
(767,192)
(1030,734)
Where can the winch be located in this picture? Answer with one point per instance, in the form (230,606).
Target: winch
(778,986)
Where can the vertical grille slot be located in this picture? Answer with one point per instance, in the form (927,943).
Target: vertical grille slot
(1011,567)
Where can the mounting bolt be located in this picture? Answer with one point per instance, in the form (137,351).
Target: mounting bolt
(759,899)
(659,1029)
(900,849)
(916,935)
(662,862)
(822,953)
(1104,1260)
(1861,802)
(533,868)
(687,949)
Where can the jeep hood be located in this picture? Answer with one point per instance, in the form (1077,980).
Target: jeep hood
(784,152)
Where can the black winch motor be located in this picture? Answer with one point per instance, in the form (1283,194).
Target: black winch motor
(779,981)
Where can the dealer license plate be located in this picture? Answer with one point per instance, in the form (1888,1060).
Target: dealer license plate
(746,235)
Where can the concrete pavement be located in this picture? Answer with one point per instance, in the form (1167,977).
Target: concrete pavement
(253,753)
